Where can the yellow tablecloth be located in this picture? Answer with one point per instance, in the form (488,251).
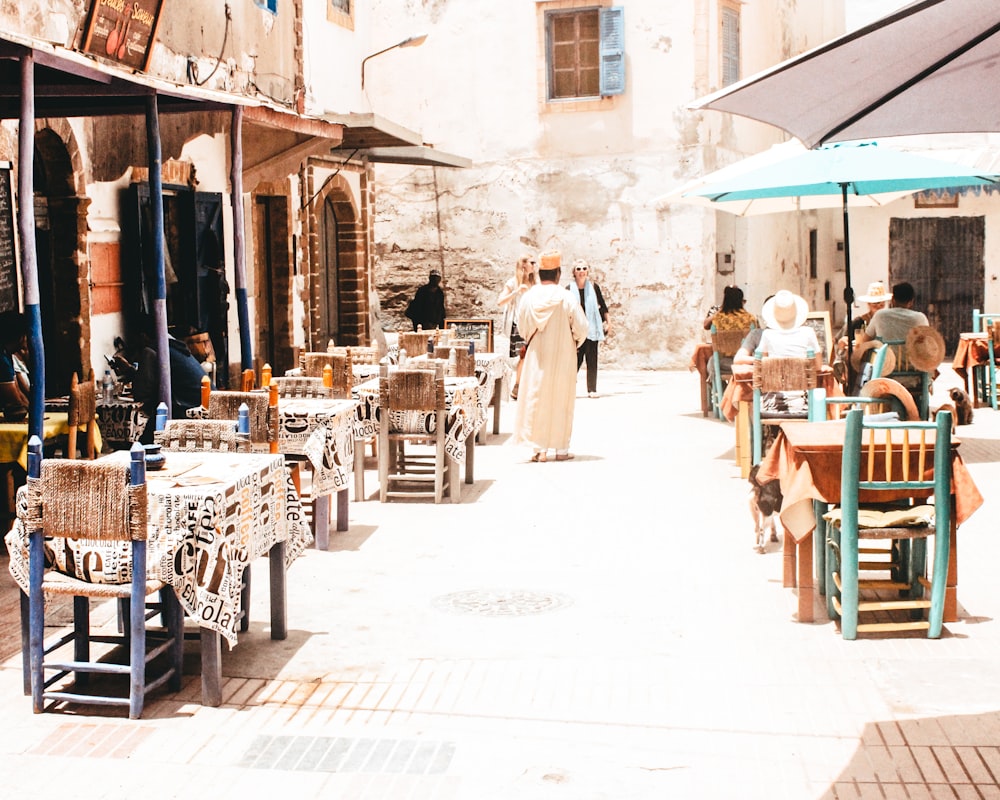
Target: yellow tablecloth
(14,436)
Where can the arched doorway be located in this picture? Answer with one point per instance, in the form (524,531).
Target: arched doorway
(59,222)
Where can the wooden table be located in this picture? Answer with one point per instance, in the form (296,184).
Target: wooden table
(210,516)
(806,459)
(971,363)
(461,423)
(14,437)
(323,431)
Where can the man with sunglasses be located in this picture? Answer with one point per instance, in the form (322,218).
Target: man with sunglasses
(598,326)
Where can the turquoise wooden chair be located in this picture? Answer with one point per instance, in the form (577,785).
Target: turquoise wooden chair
(105,501)
(776,374)
(905,373)
(894,460)
(983,322)
(724,347)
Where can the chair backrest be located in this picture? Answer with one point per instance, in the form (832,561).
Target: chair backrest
(465,362)
(784,374)
(341,378)
(411,390)
(202,435)
(263,414)
(987,322)
(902,368)
(897,457)
(823,407)
(87,499)
(301,387)
(358,354)
(726,343)
(414,343)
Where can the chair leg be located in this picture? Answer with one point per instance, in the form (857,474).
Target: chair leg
(245,600)
(849,584)
(173,621)
(832,566)
(25,643)
(137,656)
(81,636)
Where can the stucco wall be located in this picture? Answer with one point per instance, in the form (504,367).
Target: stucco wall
(579,180)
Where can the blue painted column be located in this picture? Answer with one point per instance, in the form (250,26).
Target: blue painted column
(155,159)
(29,255)
(239,238)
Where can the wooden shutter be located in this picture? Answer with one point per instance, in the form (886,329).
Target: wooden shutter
(612,51)
(730,45)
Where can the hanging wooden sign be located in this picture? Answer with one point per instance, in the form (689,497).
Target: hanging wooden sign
(122,30)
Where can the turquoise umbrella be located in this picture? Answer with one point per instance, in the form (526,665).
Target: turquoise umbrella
(844,169)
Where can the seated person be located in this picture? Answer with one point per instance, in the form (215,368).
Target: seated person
(15,382)
(787,336)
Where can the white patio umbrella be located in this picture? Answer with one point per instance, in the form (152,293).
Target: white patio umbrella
(930,67)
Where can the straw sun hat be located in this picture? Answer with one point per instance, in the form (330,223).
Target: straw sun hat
(785,311)
(925,347)
(887,387)
(860,352)
(877,293)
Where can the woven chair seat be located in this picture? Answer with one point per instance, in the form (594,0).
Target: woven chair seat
(62,584)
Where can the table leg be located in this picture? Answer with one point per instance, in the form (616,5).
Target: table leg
(497,397)
(470,458)
(806,595)
(279,591)
(321,521)
(359,470)
(788,561)
(211,667)
(951,585)
(342,518)
(454,480)
(819,546)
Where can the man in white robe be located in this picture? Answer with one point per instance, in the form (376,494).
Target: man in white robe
(554,325)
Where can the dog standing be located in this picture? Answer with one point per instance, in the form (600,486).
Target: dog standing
(963,406)
(765,503)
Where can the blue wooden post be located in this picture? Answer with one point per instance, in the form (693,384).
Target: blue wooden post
(161,416)
(137,603)
(29,256)
(36,602)
(239,238)
(155,159)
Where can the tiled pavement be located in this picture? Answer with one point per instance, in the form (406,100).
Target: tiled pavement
(599,628)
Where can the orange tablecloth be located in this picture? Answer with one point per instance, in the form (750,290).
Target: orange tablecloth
(700,360)
(973,352)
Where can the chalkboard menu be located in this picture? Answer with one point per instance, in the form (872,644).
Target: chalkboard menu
(8,250)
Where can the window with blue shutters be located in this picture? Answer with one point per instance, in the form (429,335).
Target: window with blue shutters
(267,5)
(585,52)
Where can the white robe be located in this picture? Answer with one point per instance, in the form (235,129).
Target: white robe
(547,389)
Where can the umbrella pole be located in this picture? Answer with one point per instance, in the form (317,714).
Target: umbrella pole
(848,290)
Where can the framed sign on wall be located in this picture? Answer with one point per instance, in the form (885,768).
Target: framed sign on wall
(122,30)
(479,330)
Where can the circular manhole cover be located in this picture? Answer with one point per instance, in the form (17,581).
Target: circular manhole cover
(501,602)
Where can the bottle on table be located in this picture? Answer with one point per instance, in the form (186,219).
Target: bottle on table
(108,387)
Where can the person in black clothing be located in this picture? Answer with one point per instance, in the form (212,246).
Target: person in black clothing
(598,326)
(426,309)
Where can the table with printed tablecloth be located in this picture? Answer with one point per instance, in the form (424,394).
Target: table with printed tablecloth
(492,370)
(461,424)
(210,516)
(323,431)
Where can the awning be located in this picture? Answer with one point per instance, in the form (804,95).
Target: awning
(382,141)
(423,155)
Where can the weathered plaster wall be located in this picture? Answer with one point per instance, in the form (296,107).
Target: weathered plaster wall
(582,181)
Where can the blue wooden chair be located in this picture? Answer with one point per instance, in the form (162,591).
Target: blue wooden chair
(724,347)
(988,323)
(776,374)
(106,501)
(918,381)
(893,460)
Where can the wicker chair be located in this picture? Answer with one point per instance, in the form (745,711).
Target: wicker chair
(414,343)
(102,500)
(202,435)
(724,347)
(775,374)
(465,362)
(403,474)
(82,414)
(358,354)
(341,378)
(263,407)
(302,387)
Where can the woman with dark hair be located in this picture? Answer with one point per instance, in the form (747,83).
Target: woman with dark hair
(732,316)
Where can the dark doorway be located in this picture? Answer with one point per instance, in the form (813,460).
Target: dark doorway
(943,259)
(274,272)
(56,242)
(329,272)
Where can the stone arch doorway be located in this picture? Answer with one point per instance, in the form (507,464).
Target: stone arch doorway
(60,229)
(339,287)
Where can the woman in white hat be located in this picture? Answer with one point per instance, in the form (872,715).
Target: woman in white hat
(877,297)
(785,334)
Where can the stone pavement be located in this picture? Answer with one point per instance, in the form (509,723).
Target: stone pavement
(598,628)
